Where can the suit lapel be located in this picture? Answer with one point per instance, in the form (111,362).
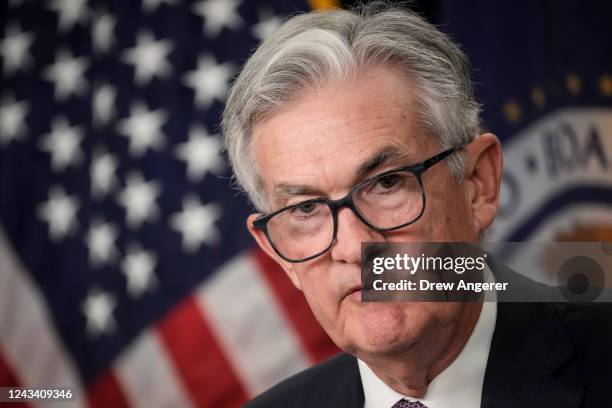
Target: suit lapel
(353,397)
(341,387)
(528,351)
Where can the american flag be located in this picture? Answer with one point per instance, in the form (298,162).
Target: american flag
(126,272)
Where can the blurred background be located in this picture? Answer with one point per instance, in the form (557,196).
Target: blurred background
(126,271)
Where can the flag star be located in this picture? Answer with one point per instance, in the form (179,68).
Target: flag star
(103,104)
(152,5)
(98,308)
(67,74)
(138,197)
(202,154)
(14,49)
(267,25)
(103,174)
(209,80)
(12,120)
(62,143)
(143,128)
(102,32)
(196,223)
(149,58)
(69,12)
(138,266)
(218,14)
(101,239)
(59,212)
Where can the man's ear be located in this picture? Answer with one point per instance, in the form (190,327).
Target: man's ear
(483,170)
(264,244)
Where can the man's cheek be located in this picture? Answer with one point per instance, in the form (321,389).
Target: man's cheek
(323,306)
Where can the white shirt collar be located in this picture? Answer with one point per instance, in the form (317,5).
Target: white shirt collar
(458,386)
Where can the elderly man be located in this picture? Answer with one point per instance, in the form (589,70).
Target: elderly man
(332,126)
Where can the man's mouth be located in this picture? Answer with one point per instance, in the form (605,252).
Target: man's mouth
(355,293)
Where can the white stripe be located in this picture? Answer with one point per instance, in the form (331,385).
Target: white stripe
(147,376)
(251,327)
(28,338)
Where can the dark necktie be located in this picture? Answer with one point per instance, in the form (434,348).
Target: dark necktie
(408,404)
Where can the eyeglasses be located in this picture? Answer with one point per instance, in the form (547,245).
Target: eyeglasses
(386,202)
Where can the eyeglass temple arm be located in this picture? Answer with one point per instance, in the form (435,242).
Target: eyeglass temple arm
(439,157)
(260,222)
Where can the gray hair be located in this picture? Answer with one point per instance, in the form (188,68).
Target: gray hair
(309,50)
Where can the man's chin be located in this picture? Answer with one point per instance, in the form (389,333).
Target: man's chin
(382,328)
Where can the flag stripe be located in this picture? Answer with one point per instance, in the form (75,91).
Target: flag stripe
(200,362)
(106,392)
(28,338)
(318,345)
(148,377)
(243,312)
(8,379)
(7,376)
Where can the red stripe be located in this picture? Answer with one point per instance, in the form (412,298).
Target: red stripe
(206,373)
(106,392)
(9,379)
(316,342)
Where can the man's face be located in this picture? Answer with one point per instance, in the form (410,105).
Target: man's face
(322,142)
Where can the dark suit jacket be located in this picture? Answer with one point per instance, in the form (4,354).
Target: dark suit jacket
(543,355)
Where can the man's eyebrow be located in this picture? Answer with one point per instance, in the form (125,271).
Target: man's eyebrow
(284,191)
(290,189)
(379,158)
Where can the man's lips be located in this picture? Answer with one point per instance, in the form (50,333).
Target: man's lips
(354,292)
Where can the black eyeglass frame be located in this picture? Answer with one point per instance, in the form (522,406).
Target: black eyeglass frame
(261,222)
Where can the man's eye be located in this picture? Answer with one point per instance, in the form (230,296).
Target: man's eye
(304,208)
(388,182)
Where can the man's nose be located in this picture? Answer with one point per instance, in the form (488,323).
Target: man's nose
(351,233)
